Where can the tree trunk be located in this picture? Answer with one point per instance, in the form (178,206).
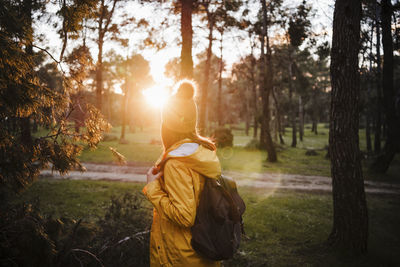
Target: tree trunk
(369,90)
(378,114)
(219,103)
(187,34)
(204,91)
(255,133)
(267,85)
(314,128)
(109,104)
(350,218)
(314,112)
(275,128)
(278,118)
(104,21)
(292,106)
(392,144)
(262,93)
(368,131)
(301,119)
(123,112)
(247,126)
(255,97)
(99,73)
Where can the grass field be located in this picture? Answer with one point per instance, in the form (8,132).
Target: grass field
(283,229)
(145,146)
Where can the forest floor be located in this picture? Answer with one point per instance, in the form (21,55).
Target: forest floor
(136,172)
(288,203)
(283,227)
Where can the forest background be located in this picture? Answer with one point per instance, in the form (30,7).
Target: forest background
(82,83)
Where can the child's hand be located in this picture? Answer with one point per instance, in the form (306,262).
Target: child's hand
(153,174)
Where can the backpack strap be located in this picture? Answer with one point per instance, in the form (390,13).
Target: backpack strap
(233,207)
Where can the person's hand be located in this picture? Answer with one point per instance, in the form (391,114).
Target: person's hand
(153,174)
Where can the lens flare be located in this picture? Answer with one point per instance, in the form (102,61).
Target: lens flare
(156,96)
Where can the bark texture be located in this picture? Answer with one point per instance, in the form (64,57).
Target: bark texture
(350,218)
(392,144)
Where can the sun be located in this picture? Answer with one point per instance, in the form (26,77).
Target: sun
(156,96)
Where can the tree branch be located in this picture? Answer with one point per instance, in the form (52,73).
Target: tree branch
(124,240)
(89,253)
(110,16)
(52,57)
(47,52)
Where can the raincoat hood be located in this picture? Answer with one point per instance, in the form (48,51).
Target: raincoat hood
(195,157)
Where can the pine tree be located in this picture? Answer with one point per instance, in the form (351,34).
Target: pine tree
(350,218)
(26,95)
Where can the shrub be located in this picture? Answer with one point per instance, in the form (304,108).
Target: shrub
(223,137)
(311,152)
(23,238)
(121,238)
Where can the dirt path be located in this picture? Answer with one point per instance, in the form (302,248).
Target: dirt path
(137,173)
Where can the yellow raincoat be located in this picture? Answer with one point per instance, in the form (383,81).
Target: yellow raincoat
(175,198)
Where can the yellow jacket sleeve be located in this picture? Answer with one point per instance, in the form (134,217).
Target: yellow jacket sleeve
(177,199)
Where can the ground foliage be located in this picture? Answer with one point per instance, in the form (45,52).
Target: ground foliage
(119,238)
(223,137)
(283,228)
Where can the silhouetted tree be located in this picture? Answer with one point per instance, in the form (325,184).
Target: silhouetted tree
(27,94)
(105,29)
(392,144)
(350,218)
(298,29)
(266,86)
(215,12)
(187,35)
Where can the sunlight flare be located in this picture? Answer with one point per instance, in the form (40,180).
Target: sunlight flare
(156,96)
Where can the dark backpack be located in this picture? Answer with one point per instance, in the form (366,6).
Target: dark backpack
(218,226)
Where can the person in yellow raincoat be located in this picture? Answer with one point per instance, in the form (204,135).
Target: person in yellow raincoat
(175,191)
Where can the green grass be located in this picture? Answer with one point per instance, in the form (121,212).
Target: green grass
(291,160)
(139,148)
(290,228)
(145,147)
(75,198)
(283,228)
